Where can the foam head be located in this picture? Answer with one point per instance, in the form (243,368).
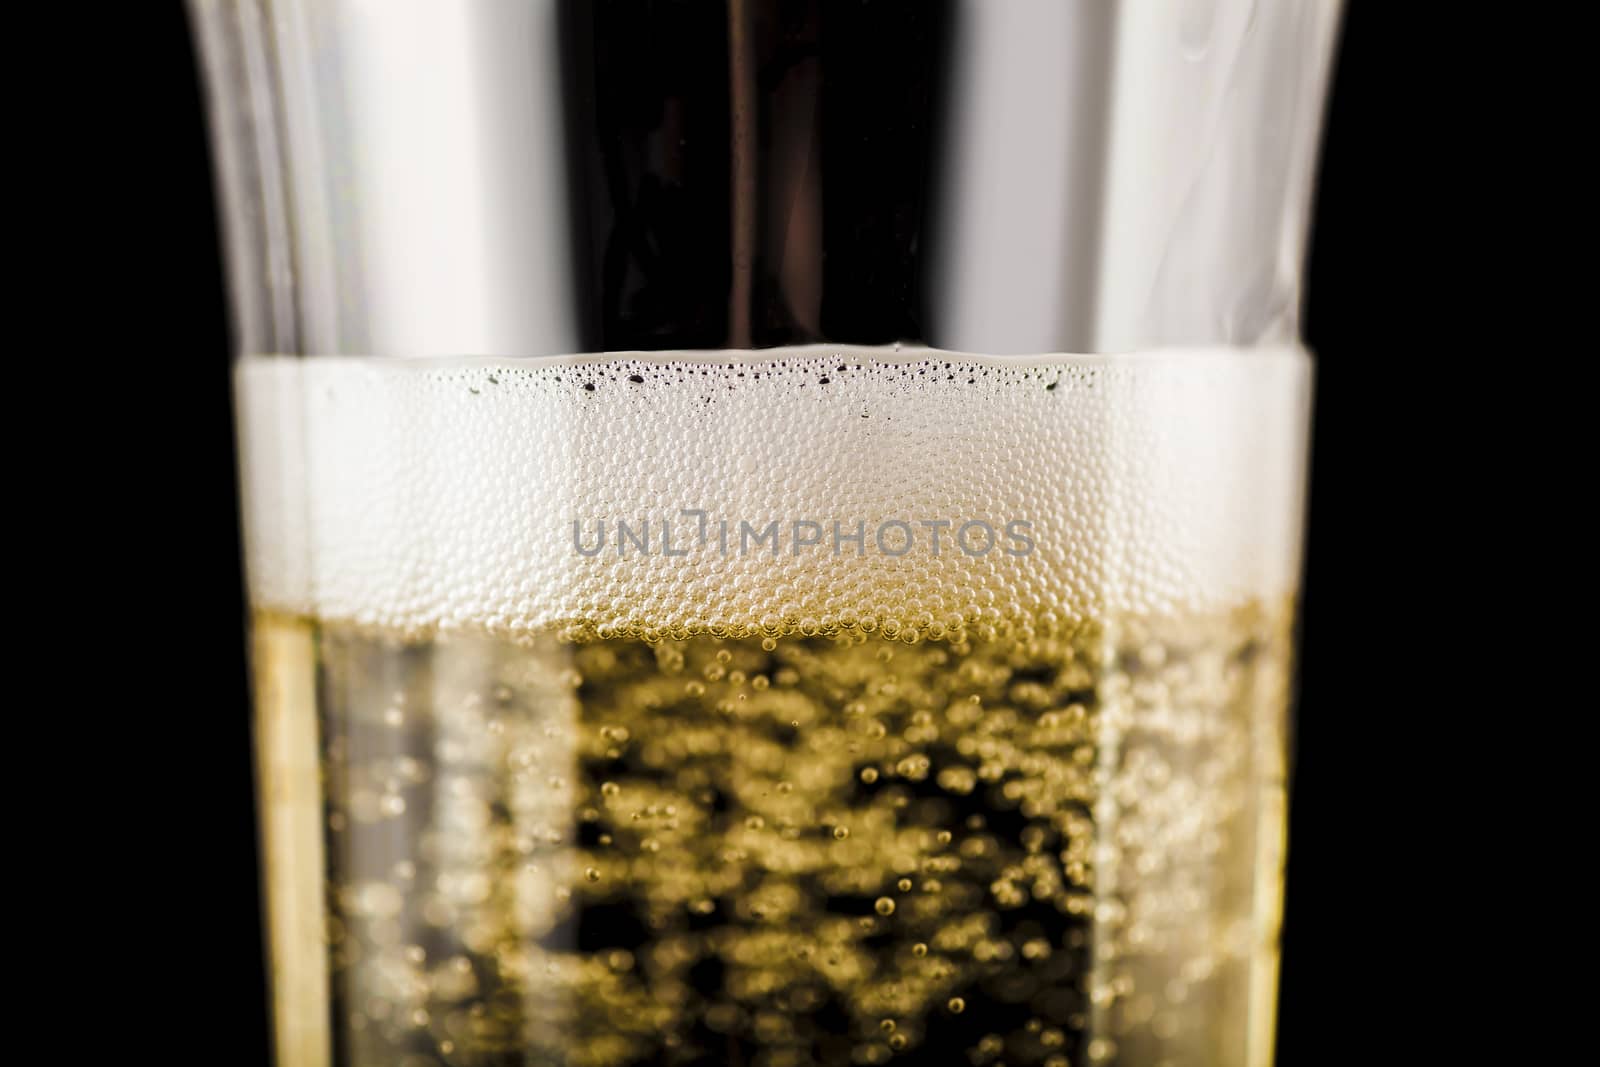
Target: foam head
(910,492)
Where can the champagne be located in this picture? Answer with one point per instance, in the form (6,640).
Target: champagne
(844,707)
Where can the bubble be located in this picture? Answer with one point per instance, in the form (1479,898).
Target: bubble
(956,1005)
(592,874)
(883,906)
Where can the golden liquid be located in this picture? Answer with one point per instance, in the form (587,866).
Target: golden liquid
(1048,849)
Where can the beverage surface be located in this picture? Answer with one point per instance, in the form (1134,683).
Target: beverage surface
(728,789)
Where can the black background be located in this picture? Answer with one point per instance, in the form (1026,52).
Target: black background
(1384,255)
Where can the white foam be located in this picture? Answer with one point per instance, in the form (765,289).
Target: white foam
(423,494)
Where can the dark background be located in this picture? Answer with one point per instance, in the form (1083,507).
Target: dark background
(1384,254)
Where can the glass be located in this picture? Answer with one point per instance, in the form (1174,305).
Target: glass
(772,527)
